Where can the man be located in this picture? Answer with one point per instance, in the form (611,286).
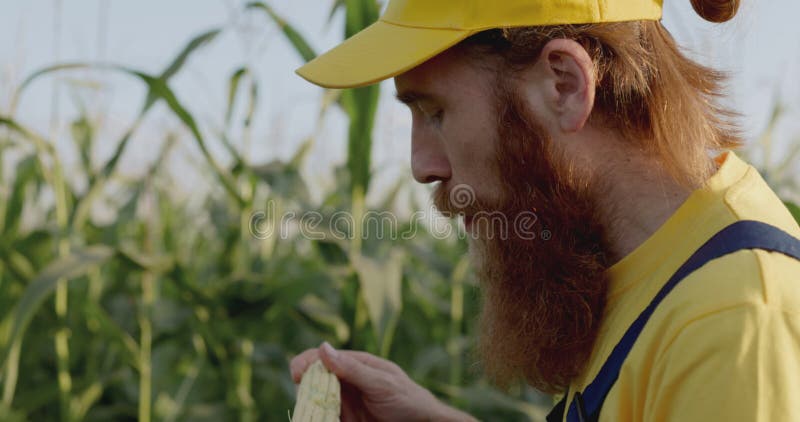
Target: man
(661,294)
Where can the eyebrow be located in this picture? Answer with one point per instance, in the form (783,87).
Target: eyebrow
(411,97)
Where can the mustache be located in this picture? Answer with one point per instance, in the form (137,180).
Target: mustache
(459,200)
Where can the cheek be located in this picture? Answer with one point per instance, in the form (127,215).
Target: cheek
(471,147)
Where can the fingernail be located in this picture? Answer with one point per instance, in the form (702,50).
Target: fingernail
(330,350)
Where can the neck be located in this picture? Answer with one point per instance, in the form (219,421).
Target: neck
(635,196)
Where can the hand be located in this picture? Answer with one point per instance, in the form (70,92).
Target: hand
(375,389)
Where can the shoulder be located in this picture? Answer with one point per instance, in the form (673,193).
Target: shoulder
(729,333)
(734,341)
(749,282)
(723,309)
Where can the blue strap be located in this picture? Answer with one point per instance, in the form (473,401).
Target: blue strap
(738,236)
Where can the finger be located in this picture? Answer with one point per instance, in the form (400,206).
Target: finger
(374,361)
(301,362)
(350,369)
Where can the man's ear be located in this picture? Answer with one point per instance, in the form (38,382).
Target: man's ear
(566,75)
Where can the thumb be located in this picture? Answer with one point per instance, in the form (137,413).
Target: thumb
(348,368)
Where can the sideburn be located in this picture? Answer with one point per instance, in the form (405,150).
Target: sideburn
(543,299)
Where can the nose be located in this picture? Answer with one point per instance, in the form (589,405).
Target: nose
(429,161)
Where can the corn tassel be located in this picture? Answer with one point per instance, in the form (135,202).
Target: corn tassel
(319,396)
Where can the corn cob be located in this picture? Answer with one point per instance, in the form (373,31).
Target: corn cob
(319,397)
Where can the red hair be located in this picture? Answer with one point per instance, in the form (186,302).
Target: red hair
(658,99)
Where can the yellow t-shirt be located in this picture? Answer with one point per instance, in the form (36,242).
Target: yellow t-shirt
(724,345)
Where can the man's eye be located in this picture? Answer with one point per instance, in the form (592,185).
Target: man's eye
(432,115)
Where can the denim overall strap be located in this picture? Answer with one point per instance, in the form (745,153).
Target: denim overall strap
(741,235)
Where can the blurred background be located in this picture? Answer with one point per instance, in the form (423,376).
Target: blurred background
(150,152)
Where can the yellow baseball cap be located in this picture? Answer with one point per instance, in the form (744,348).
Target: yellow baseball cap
(412,31)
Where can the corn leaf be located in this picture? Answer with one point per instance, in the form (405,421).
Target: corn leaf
(173,68)
(298,41)
(381,289)
(9,415)
(17,263)
(233,90)
(69,267)
(36,75)
(41,145)
(157,264)
(360,14)
(323,313)
(83,135)
(159,88)
(183,56)
(337,4)
(284,180)
(361,105)
(112,331)
(252,103)
(27,174)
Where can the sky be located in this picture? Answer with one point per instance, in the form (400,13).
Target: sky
(760,49)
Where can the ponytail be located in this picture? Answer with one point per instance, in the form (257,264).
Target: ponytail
(716,10)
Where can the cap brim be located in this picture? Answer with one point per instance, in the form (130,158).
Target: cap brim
(381,51)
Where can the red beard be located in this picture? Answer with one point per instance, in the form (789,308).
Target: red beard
(543,298)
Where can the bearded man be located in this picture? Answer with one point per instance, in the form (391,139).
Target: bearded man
(670,286)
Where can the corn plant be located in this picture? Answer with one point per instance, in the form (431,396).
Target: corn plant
(177,313)
(171,312)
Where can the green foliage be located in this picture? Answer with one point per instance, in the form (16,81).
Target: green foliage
(298,41)
(171,312)
(176,313)
(360,104)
